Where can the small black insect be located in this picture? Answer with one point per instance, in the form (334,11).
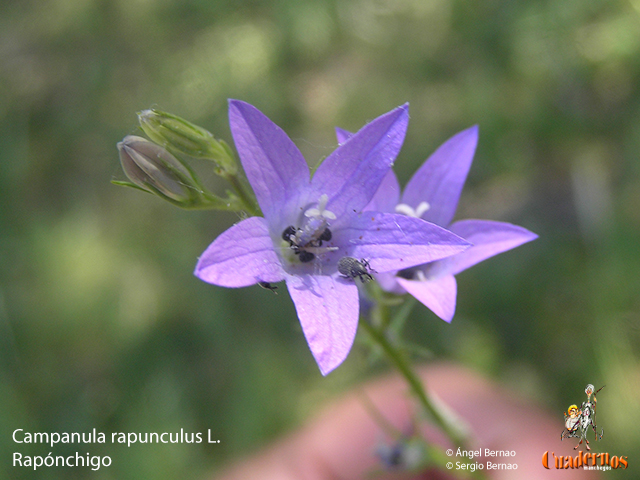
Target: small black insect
(290,236)
(325,237)
(305,256)
(268,286)
(286,235)
(353,268)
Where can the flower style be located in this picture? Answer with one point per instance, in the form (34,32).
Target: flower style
(309,224)
(432,194)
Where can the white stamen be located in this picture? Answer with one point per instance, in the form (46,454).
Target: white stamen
(422,208)
(410,211)
(321,210)
(405,210)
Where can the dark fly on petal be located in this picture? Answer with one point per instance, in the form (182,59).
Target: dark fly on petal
(268,286)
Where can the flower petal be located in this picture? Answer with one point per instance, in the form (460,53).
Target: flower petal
(388,281)
(440,179)
(275,168)
(438,295)
(387,196)
(241,256)
(328,311)
(342,135)
(488,238)
(392,241)
(351,175)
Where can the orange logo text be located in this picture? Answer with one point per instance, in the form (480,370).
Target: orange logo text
(584,459)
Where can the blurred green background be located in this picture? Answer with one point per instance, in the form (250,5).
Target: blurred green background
(102,324)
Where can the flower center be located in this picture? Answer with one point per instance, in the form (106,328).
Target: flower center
(410,211)
(306,241)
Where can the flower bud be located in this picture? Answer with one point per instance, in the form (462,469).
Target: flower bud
(155,170)
(183,137)
(404,454)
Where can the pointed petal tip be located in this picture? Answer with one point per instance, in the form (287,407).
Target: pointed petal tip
(236,108)
(342,135)
(328,363)
(401,111)
(472,134)
(328,312)
(242,107)
(239,104)
(473,131)
(404,109)
(438,295)
(489,238)
(526,236)
(444,317)
(329,367)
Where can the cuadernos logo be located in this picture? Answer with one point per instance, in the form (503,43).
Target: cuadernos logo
(586,460)
(579,421)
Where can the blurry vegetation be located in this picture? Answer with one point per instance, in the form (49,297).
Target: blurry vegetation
(102,324)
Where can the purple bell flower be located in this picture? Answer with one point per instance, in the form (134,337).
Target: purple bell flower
(310,223)
(432,194)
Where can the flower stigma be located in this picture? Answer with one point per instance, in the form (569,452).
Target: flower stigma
(306,241)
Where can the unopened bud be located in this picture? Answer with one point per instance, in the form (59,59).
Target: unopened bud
(183,137)
(154,169)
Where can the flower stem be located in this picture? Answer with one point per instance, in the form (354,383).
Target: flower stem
(247,200)
(448,425)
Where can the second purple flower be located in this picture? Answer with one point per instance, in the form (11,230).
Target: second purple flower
(433,194)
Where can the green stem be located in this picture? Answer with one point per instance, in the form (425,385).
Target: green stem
(399,360)
(245,198)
